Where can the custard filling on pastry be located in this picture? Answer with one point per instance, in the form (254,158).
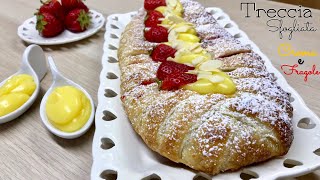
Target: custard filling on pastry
(183,37)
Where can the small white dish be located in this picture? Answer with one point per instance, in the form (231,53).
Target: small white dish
(58,81)
(28,32)
(34,64)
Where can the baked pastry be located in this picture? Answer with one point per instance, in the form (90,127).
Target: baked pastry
(226,113)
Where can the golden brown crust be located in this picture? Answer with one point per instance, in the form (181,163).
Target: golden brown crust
(211,133)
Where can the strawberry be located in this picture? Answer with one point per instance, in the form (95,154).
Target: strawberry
(153,19)
(77,20)
(81,5)
(48,25)
(169,68)
(147,82)
(155,13)
(69,5)
(152,4)
(156,34)
(175,81)
(53,7)
(162,52)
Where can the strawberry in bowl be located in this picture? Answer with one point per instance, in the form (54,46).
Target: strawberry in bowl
(54,17)
(74,4)
(77,20)
(54,8)
(48,25)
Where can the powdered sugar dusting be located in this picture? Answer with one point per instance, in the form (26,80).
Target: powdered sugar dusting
(206,132)
(250,60)
(212,133)
(134,74)
(246,72)
(257,105)
(138,59)
(212,31)
(222,47)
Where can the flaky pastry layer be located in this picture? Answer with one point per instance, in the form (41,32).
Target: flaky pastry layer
(211,133)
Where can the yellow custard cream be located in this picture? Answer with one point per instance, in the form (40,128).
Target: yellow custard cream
(213,83)
(15,92)
(183,37)
(68,108)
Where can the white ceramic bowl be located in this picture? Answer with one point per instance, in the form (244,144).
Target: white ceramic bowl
(29,34)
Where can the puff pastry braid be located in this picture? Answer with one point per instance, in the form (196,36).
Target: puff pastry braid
(211,133)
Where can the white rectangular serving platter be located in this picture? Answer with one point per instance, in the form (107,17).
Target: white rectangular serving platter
(119,153)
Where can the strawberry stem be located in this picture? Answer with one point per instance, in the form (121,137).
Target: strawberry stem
(84,19)
(158,82)
(41,23)
(45,2)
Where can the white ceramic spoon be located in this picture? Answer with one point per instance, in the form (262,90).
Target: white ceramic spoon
(34,64)
(58,81)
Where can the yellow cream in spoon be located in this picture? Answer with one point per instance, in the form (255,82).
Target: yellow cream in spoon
(68,108)
(15,92)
